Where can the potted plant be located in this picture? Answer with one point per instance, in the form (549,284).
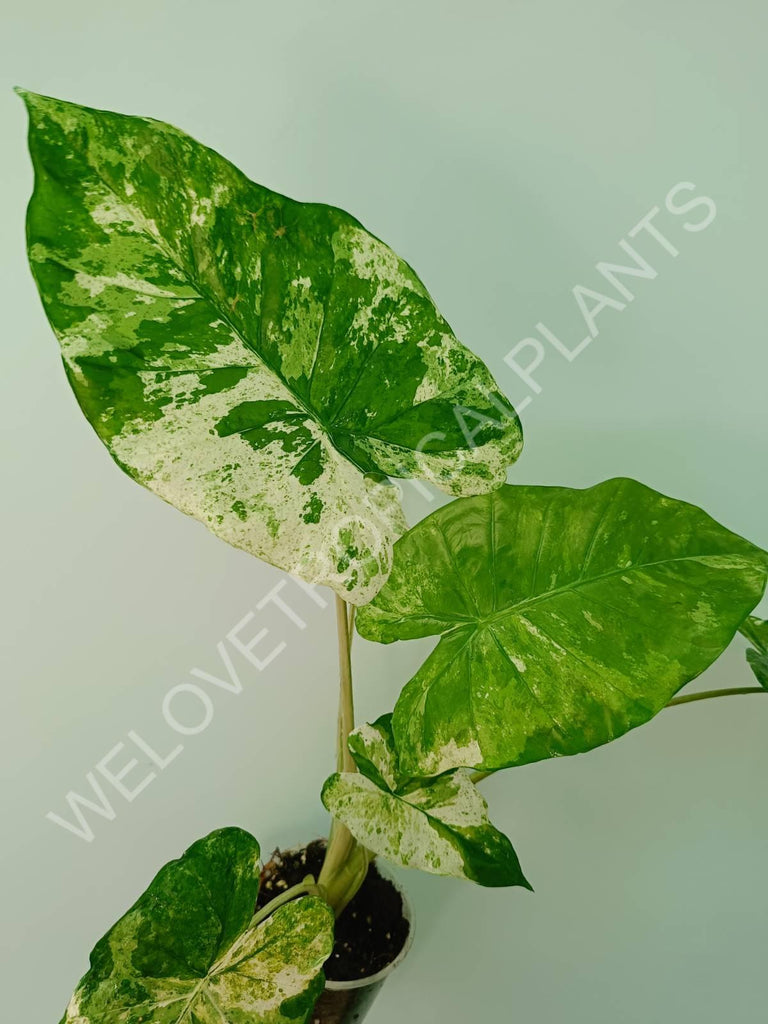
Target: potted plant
(269,366)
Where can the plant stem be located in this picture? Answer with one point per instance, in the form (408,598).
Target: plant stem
(707,694)
(346,697)
(687,698)
(308,886)
(351,624)
(346,863)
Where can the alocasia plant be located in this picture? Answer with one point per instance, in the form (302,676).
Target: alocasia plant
(268,366)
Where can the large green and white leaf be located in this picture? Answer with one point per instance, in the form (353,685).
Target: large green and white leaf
(566,617)
(259,363)
(185,951)
(437,825)
(756,631)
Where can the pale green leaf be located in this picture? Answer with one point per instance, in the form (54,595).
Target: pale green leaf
(259,363)
(756,631)
(566,617)
(185,951)
(437,825)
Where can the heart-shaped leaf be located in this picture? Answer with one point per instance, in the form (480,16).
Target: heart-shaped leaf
(756,631)
(566,618)
(259,363)
(437,825)
(186,952)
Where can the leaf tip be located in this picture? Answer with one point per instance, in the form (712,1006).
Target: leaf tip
(28,97)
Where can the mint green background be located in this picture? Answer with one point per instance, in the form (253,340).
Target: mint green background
(502,148)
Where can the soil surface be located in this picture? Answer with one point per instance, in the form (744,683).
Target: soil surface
(369,933)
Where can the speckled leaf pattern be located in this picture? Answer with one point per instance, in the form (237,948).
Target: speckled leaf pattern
(437,825)
(566,617)
(261,364)
(185,954)
(756,631)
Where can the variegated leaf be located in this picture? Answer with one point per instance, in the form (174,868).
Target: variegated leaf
(261,364)
(756,631)
(185,951)
(566,618)
(437,825)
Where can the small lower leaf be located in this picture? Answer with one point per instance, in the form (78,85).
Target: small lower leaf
(756,631)
(437,825)
(185,952)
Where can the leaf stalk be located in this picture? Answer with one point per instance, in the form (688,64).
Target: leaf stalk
(346,862)
(308,887)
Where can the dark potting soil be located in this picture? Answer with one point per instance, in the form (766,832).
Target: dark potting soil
(370,932)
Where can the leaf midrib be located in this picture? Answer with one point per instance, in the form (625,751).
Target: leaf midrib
(588,581)
(390,794)
(528,602)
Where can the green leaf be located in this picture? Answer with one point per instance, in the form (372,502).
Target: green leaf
(437,825)
(185,951)
(566,617)
(261,364)
(756,631)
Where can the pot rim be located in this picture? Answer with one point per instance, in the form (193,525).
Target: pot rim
(384,973)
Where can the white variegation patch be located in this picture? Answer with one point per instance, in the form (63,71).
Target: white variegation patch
(256,503)
(450,754)
(392,827)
